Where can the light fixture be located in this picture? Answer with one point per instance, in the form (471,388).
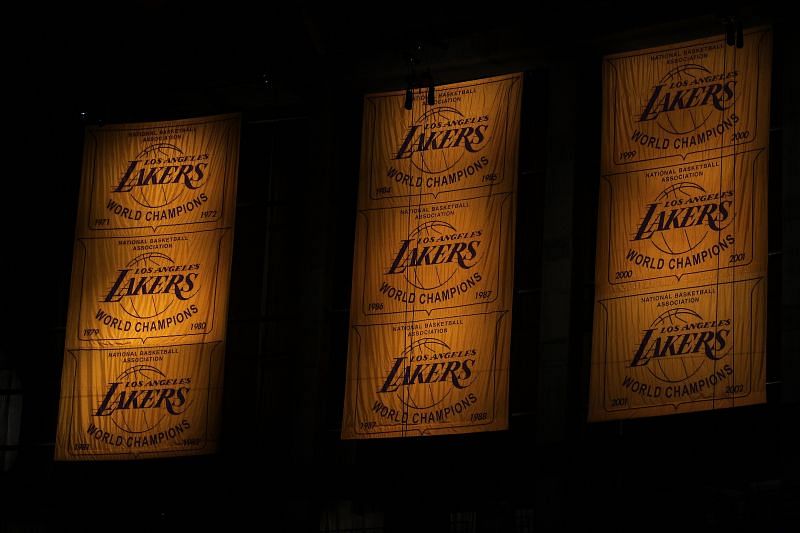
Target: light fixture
(729,35)
(425,78)
(739,34)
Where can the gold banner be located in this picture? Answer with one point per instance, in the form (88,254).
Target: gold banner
(446,255)
(684,349)
(700,220)
(428,377)
(679,321)
(430,315)
(148,304)
(464,145)
(139,178)
(685,102)
(134,403)
(135,290)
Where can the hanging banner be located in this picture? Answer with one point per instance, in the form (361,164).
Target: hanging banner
(685,349)
(144,348)
(444,255)
(685,102)
(467,141)
(699,220)
(131,293)
(137,402)
(430,314)
(682,229)
(449,376)
(142,177)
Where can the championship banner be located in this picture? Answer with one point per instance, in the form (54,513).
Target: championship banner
(444,253)
(685,102)
(685,349)
(699,220)
(144,348)
(449,376)
(430,313)
(138,178)
(679,322)
(464,144)
(129,293)
(136,402)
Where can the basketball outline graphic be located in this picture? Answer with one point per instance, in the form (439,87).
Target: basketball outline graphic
(668,369)
(132,421)
(692,236)
(162,195)
(426,395)
(418,276)
(443,159)
(684,121)
(147,306)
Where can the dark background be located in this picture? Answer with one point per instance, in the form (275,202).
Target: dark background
(298,74)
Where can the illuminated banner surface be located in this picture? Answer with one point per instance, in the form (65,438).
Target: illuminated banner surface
(430,314)
(685,102)
(679,321)
(140,402)
(179,174)
(144,348)
(682,349)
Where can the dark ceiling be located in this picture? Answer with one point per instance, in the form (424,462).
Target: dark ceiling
(157,55)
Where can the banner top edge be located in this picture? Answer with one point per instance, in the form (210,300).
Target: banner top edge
(719,37)
(443,87)
(165,123)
